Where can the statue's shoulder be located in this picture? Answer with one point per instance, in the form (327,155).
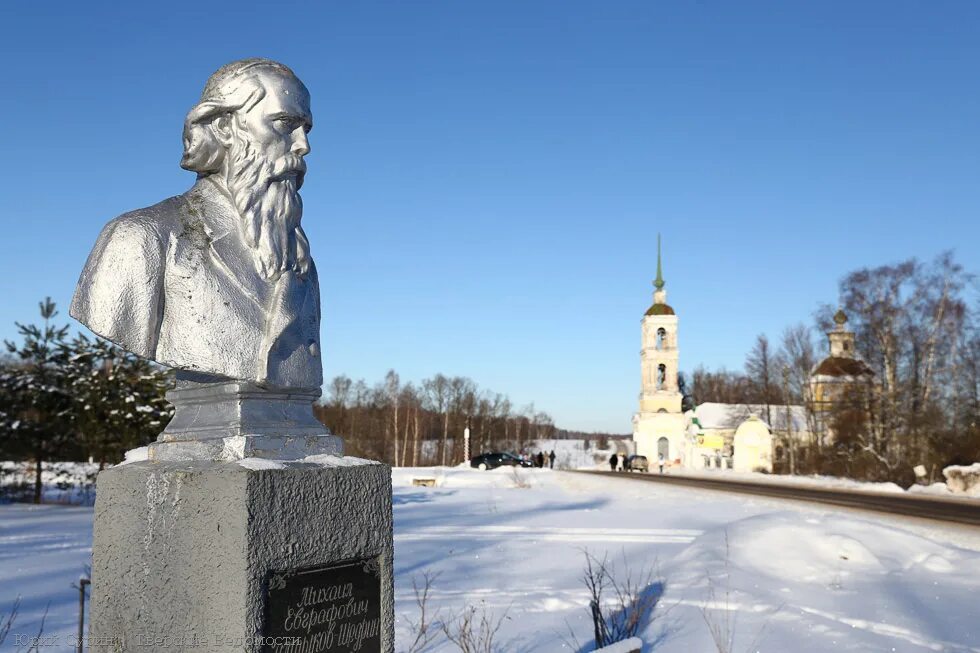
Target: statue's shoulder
(152,224)
(118,293)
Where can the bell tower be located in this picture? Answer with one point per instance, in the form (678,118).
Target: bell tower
(841,340)
(659,354)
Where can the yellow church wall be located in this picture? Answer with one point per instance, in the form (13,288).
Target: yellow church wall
(669,402)
(648,430)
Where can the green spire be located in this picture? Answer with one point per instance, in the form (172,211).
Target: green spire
(659,283)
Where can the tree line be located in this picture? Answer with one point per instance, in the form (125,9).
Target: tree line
(410,424)
(916,326)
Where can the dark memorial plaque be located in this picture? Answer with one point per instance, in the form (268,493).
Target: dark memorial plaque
(335,608)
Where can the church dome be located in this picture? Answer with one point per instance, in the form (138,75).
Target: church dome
(660,309)
(839,366)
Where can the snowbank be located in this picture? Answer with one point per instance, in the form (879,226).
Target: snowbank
(871,580)
(963,479)
(631,645)
(934,489)
(785,479)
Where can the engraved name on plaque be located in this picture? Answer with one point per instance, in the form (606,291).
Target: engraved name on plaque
(335,608)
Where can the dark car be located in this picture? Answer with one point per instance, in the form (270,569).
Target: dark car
(494,460)
(637,464)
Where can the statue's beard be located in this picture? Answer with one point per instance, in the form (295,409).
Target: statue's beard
(266,194)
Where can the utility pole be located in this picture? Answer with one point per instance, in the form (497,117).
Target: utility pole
(789,422)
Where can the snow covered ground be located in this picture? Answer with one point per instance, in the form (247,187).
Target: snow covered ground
(785,576)
(44,550)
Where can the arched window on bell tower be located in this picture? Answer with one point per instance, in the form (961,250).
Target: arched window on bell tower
(661,376)
(661,341)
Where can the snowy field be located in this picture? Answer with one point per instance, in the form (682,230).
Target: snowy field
(782,576)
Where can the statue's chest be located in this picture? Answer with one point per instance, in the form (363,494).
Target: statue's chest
(202,287)
(249,326)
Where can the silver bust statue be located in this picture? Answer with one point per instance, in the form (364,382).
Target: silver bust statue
(218,282)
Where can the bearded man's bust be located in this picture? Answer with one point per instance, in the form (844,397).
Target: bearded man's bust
(219,282)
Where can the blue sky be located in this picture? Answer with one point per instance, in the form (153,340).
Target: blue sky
(488,178)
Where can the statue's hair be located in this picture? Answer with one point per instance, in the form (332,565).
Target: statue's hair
(233,87)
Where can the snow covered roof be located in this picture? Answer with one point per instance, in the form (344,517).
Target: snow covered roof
(729,416)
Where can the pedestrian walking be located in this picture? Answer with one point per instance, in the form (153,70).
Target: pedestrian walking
(661,461)
(613,462)
(551,458)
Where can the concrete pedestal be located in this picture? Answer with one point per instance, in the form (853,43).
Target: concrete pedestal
(218,419)
(187,555)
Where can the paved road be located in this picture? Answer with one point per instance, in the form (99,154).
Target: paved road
(911,505)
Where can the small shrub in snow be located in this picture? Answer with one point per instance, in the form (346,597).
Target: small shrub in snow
(622,601)
(474,629)
(427,627)
(7,622)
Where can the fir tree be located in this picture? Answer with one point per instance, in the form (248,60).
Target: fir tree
(35,404)
(119,398)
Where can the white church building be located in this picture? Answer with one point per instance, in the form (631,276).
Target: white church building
(721,436)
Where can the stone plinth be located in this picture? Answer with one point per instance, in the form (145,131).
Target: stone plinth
(199,556)
(229,408)
(228,420)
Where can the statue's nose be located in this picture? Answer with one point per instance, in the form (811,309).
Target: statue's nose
(301,143)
